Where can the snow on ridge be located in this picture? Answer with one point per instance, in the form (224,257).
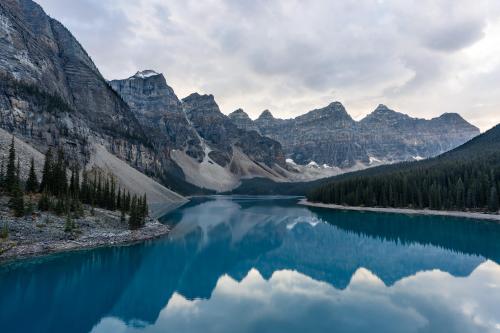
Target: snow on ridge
(313,164)
(146,73)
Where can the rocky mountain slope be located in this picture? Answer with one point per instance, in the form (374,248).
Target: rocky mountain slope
(51,94)
(194,135)
(330,136)
(51,90)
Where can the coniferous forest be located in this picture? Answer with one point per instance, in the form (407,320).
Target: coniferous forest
(467,178)
(65,193)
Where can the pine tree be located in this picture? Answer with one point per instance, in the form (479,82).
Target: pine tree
(32,182)
(59,175)
(2,174)
(4,234)
(460,198)
(493,200)
(60,207)
(16,202)
(133,220)
(47,173)
(84,189)
(69,224)
(11,183)
(119,199)
(145,208)
(44,204)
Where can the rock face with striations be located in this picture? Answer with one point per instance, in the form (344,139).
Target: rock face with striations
(159,111)
(241,119)
(219,131)
(330,136)
(51,93)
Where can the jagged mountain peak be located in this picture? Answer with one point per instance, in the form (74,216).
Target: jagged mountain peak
(455,119)
(197,96)
(239,112)
(266,114)
(336,105)
(452,116)
(382,108)
(334,111)
(241,119)
(145,74)
(384,114)
(204,104)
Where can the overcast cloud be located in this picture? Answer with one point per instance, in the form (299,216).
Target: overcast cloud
(420,57)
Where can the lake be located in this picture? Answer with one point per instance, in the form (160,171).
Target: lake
(266,264)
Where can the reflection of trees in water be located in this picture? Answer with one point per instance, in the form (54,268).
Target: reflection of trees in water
(455,234)
(72,292)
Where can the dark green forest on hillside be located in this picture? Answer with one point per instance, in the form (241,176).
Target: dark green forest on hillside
(63,196)
(466,178)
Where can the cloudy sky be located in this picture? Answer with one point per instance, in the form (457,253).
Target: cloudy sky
(420,57)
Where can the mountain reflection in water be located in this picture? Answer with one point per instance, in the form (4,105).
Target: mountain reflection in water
(245,264)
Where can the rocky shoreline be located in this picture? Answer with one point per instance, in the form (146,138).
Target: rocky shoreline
(470,215)
(45,233)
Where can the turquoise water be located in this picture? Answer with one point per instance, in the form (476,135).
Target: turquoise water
(245,264)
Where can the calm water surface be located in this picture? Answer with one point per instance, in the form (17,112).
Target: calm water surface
(246,264)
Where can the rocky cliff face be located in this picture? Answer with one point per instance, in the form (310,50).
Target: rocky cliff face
(51,93)
(330,136)
(243,121)
(195,137)
(160,112)
(223,135)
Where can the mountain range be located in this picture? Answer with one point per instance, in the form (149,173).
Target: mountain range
(330,136)
(52,94)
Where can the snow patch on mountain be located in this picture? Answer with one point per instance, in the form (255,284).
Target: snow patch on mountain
(145,74)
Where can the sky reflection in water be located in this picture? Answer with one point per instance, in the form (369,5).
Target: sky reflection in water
(253,265)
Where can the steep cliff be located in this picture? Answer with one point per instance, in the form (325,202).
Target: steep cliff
(195,139)
(52,94)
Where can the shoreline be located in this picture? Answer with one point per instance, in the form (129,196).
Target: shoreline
(469,215)
(152,230)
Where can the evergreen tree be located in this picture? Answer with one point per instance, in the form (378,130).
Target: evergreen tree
(460,194)
(2,174)
(69,224)
(60,180)
(11,183)
(44,204)
(32,182)
(84,189)
(119,199)
(4,234)
(133,220)
(47,173)
(145,208)
(16,202)
(493,200)
(60,207)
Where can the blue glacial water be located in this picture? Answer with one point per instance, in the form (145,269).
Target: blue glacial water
(265,264)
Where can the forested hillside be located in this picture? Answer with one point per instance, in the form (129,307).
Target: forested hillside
(466,178)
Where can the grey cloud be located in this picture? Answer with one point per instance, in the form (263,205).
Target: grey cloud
(290,54)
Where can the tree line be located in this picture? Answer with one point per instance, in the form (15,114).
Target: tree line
(67,195)
(448,185)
